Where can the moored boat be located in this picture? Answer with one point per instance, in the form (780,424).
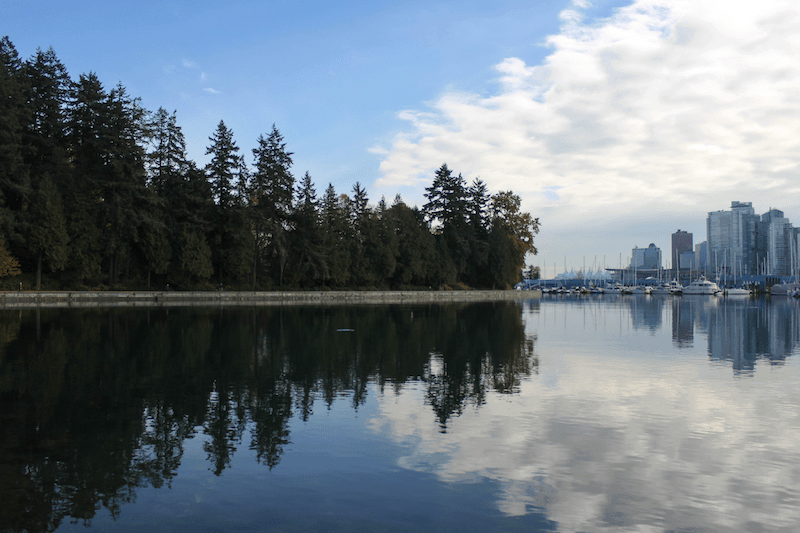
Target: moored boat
(701,286)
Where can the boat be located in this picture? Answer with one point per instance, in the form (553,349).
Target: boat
(736,291)
(664,288)
(784,289)
(701,286)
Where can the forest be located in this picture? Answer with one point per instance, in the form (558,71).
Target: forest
(97,192)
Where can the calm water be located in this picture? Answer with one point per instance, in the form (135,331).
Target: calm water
(563,414)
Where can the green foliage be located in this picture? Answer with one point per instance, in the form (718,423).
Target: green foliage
(9,266)
(91,184)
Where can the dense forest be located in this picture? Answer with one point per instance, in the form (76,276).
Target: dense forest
(98,192)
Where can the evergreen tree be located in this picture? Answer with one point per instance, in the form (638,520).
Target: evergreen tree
(478,273)
(359,218)
(446,209)
(167,160)
(14,116)
(87,137)
(227,168)
(416,246)
(231,241)
(380,246)
(125,197)
(47,236)
(270,195)
(45,225)
(308,261)
(336,236)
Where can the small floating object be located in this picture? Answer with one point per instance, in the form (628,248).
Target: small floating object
(345,329)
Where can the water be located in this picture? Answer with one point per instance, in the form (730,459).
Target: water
(561,414)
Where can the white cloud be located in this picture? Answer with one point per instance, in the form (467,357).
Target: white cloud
(190,64)
(675,107)
(212,90)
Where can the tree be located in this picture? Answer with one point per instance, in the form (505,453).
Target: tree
(336,236)
(167,159)
(270,195)
(359,218)
(48,237)
(87,137)
(512,234)
(14,116)
(44,222)
(125,197)
(308,261)
(416,246)
(227,173)
(448,214)
(9,266)
(227,168)
(195,255)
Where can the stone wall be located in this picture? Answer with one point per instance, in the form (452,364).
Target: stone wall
(14,299)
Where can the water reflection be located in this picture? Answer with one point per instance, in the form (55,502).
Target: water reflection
(587,414)
(98,403)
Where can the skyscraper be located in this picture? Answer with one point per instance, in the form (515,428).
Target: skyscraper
(681,243)
(732,239)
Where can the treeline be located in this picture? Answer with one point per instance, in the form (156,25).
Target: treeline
(96,191)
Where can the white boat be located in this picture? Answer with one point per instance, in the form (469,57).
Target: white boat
(661,289)
(736,291)
(701,286)
(613,289)
(784,289)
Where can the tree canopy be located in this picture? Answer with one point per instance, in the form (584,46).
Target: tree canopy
(97,191)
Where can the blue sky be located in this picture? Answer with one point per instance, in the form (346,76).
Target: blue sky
(617,122)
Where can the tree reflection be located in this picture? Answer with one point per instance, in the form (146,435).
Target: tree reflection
(95,403)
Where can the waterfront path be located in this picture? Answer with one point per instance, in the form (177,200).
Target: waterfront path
(17,299)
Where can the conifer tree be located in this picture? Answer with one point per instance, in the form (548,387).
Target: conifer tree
(308,260)
(270,195)
(47,236)
(227,168)
(336,236)
(231,239)
(167,160)
(87,137)
(14,116)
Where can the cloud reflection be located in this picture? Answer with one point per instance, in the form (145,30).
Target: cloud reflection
(626,441)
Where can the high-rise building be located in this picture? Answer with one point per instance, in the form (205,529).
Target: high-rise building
(777,233)
(681,243)
(701,256)
(649,257)
(732,239)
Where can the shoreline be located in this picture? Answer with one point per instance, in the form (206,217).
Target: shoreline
(21,299)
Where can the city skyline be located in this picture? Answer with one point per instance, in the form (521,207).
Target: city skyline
(616,122)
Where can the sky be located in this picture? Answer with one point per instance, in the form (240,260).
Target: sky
(616,122)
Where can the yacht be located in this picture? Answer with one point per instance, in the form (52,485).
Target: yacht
(701,286)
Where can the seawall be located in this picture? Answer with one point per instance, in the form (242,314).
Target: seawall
(19,299)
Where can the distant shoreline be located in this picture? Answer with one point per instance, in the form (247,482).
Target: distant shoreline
(19,299)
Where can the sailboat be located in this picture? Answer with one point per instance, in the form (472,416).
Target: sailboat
(736,291)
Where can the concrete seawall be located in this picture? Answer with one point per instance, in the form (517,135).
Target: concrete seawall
(13,299)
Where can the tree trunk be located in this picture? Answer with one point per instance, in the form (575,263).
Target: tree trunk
(255,262)
(39,273)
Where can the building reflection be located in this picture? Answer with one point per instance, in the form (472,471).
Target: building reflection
(646,312)
(745,331)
